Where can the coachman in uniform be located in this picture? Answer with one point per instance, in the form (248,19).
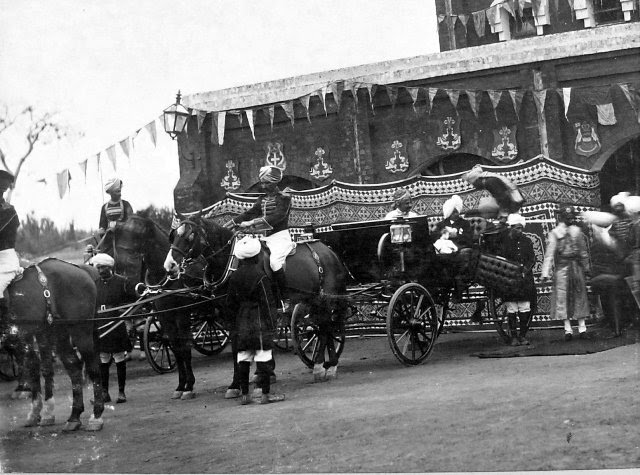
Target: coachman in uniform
(270,214)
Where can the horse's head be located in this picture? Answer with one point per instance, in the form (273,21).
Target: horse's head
(139,242)
(193,239)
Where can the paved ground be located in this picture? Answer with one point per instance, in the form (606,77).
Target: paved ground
(456,412)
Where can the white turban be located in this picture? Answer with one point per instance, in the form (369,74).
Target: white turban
(102,260)
(247,247)
(113,184)
(515,218)
(269,174)
(620,198)
(632,204)
(455,202)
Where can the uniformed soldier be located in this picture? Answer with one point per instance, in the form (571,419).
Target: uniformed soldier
(270,215)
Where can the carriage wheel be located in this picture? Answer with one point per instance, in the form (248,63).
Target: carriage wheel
(10,370)
(283,339)
(156,346)
(209,336)
(498,313)
(412,324)
(304,335)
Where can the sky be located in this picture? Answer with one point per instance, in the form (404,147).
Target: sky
(107,68)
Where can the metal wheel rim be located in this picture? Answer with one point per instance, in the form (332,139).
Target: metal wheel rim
(159,354)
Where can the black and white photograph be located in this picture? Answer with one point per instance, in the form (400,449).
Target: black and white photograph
(305,236)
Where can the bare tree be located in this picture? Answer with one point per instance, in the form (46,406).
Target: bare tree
(25,129)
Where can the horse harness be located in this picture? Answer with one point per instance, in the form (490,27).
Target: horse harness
(51,312)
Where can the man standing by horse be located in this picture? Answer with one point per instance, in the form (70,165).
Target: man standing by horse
(114,343)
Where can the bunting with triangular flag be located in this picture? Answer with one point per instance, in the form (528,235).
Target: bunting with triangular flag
(473,101)
(151,129)
(540,98)
(413,92)
(322,94)
(336,91)
(305,103)
(249,113)
(454,95)
(288,109)
(201,115)
(222,118)
(124,144)
(516,99)
(392,92)
(480,22)
(495,100)
(111,154)
(566,98)
(63,182)
(432,93)
(272,113)
(83,169)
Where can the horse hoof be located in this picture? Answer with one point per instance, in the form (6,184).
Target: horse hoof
(94,424)
(332,372)
(176,394)
(32,420)
(71,426)
(232,393)
(48,421)
(319,373)
(188,395)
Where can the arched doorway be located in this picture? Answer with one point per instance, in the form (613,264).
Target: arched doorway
(621,172)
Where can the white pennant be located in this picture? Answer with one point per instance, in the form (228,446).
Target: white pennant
(472,95)
(322,93)
(372,91)
(272,112)
(540,98)
(222,118)
(124,144)
(249,113)
(63,182)
(495,100)
(151,129)
(83,168)
(111,154)
(454,95)
(432,94)
(288,109)
(305,103)
(566,98)
(201,115)
(413,91)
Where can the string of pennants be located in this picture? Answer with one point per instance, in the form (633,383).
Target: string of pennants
(479,18)
(597,96)
(126,146)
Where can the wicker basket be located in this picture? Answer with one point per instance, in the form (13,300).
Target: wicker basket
(498,273)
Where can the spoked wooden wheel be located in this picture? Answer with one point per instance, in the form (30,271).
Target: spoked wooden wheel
(156,346)
(209,336)
(10,370)
(304,335)
(283,339)
(498,314)
(412,324)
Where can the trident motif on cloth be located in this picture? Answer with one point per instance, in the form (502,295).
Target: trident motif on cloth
(505,150)
(230,182)
(397,163)
(320,170)
(275,156)
(449,140)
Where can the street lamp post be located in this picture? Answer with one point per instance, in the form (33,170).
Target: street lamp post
(175,118)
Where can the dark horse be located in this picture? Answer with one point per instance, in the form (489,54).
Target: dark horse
(318,282)
(140,248)
(66,322)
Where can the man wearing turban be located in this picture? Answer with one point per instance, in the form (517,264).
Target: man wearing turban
(114,343)
(517,247)
(9,223)
(402,205)
(249,302)
(116,209)
(270,215)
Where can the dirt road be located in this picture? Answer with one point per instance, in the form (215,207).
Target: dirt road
(456,412)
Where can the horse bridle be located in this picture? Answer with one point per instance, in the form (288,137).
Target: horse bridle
(200,236)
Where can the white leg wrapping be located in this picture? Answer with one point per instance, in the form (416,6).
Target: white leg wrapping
(48,416)
(95,424)
(567,326)
(582,326)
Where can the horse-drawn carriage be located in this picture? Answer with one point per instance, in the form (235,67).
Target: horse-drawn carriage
(397,280)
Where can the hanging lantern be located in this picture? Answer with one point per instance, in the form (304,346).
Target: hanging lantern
(175,118)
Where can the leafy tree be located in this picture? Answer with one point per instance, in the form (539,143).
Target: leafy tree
(24,130)
(162,216)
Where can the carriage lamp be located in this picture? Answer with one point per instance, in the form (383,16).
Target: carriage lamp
(400,233)
(175,118)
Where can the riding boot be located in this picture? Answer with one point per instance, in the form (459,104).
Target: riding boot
(524,327)
(281,283)
(264,368)
(121,368)
(513,328)
(104,376)
(244,367)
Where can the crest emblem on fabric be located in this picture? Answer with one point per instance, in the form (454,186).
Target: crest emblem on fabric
(320,169)
(449,138)
(587,141)
(230,181)
(504,144)
(275,156)
(397,163)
